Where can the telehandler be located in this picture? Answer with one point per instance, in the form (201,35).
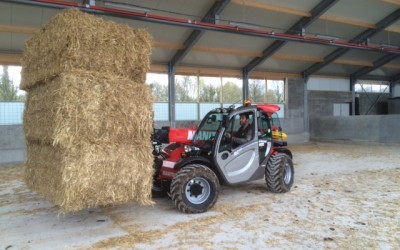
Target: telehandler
(191,168)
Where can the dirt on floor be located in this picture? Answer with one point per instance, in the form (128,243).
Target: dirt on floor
(345,196)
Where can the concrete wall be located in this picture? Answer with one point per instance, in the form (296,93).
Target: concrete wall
(295,104)
(371,128)
(373,103)
(320,103)
(12,144)
(294,123)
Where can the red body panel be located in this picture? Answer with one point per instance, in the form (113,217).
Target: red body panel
(173,153)
(183,135)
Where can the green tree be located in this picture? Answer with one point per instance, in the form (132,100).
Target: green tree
(270,96)
(256,90)
(278,95)
(231,92)
(8,92)
(275,91)
(185,89)
(274,96)
(159,92)
(208,92)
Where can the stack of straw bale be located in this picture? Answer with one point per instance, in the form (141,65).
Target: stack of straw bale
(88,115)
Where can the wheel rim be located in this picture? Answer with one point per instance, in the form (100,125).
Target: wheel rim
(197,190)
(287,174)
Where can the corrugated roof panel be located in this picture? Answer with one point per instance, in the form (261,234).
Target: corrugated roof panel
(214,59)
(370,11)
(283,65)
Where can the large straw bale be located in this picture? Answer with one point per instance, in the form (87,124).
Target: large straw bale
(88,115)
(90,175)
(75,40)
(43,171)
(88,107)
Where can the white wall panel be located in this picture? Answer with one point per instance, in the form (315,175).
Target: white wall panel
(328,84)
(396,90)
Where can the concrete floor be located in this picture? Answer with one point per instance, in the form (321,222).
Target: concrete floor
(344,197)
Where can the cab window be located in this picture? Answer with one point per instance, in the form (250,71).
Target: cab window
(233,129)
(265,127)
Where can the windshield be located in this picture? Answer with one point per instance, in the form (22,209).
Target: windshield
(207,131)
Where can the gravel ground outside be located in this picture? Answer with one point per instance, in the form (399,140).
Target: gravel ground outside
(345,196)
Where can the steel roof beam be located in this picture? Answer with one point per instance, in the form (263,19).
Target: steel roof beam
(194,37)
(376,64)
(381,25)
(316,12)
(327,60)
(375,78)
(146,17)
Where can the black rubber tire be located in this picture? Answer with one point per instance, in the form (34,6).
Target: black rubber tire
(279,173)
(194,189)
(159,189)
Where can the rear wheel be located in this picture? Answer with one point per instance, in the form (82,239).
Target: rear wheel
(279,173)
(194,189)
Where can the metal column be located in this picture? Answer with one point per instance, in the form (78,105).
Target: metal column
(171,95)
(306,115)
(353,96)
(392,88)
(245,90)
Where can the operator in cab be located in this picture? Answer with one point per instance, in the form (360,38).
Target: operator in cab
(244,133)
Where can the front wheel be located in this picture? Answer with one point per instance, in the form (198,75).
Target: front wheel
(194,189)
(279,173)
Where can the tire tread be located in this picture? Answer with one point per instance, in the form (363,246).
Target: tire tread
(184,175)
(274,173)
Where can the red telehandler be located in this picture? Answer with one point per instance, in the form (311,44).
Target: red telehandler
(191,168)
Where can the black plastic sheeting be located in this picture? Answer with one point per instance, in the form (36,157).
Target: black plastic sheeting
(394,105)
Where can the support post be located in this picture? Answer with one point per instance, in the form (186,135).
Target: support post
(306,115)
(245,87)
(353,96)
(198,97)
(392,87)
(171,95)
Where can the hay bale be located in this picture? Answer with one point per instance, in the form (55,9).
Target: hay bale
(90,175)
(88,115)
(88,107)
(43,171)
(75,40)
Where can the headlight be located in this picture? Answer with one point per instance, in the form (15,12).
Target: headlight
(187,148)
